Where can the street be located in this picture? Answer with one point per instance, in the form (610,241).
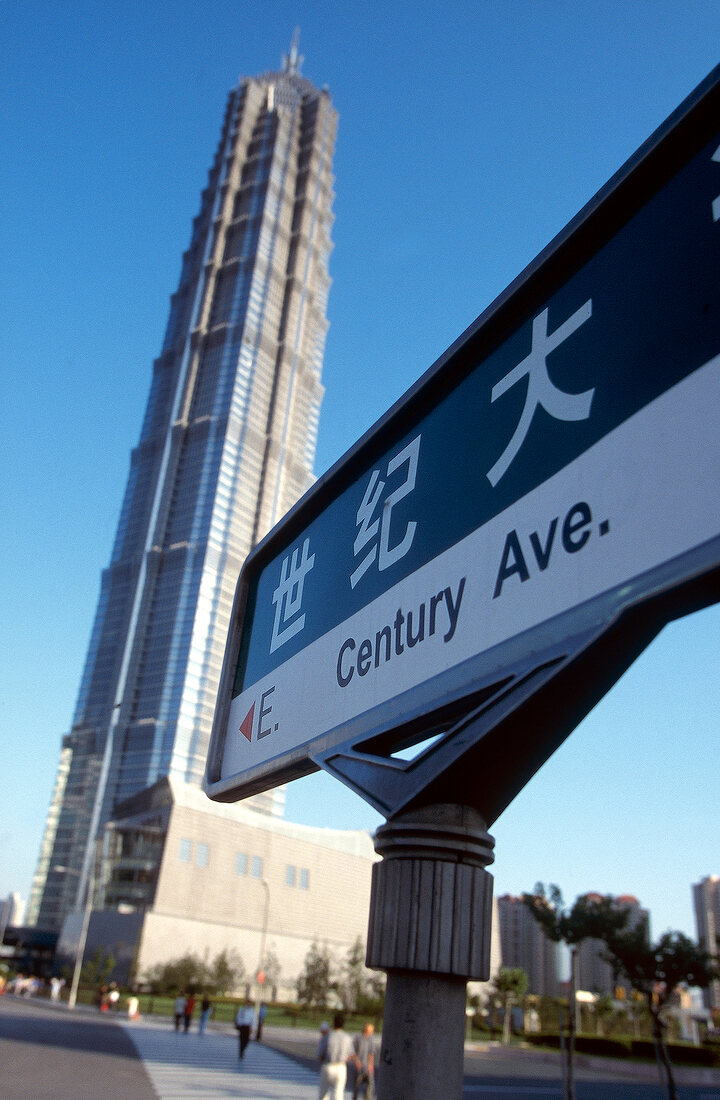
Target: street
(48,1052)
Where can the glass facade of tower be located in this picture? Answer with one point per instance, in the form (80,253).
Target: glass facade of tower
(227,446)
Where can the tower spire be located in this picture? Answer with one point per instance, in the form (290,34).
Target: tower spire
(293,60)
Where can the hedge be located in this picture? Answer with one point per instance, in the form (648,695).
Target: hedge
(679,1053)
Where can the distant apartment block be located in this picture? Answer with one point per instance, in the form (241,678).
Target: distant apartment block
(525,945)
(706,899)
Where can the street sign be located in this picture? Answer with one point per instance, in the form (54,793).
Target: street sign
(552,481)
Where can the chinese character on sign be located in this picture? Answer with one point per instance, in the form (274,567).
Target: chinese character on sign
(374,529)
(540,390)
(288,595)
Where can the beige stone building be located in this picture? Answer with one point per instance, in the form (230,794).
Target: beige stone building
(179,874)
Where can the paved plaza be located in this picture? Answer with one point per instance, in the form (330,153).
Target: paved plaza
(48,1053)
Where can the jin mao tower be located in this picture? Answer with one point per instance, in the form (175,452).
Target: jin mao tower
(227,446)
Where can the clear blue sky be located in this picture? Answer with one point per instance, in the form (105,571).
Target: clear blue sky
(470,133)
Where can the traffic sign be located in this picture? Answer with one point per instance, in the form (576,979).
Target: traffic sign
(551,482)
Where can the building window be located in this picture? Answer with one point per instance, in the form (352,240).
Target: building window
(241,863)
(289,875)
(304,878)
(185,850)
(256,867)
(202,854)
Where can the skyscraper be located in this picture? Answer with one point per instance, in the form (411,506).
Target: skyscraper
(226,447)
(706,899)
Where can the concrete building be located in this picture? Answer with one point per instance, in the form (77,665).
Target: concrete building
(178,874)
(706,900)
(227,446)
(525,945)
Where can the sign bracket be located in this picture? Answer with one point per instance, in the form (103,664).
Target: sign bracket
(526,705)
(478,739)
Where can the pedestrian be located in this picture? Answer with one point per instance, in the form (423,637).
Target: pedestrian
(335,1051)
(364,1046)
(262,1013)
(243,1022)
(179,1009)
(205,1013)
(189,1009)
(113,997)
(133,1007)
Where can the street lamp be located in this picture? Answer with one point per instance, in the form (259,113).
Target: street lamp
(263,936)
(82,939)
(72,996)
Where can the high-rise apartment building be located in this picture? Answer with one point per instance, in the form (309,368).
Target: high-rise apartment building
(226,447)
(706,898)
(525,945)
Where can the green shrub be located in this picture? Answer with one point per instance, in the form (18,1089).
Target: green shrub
(584,1044)
(602,1047)
(680,1054)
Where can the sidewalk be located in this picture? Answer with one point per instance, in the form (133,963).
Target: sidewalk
(207,1066)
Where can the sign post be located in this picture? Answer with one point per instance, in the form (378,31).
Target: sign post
(484,564)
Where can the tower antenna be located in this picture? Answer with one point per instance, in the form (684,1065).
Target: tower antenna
(293,60)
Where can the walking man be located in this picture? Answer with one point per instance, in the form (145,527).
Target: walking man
(243,1022)
(334,1051)
(179,1009)
(364,1046)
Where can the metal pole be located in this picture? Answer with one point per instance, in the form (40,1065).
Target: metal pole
(430,917)
(258,986)
(572,1025)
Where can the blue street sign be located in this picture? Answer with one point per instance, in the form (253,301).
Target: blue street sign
(557,467)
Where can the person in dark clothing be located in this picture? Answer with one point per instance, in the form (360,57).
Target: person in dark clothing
(243,1022)
(189,1009)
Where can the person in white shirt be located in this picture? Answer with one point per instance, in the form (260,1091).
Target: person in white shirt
(334,1051)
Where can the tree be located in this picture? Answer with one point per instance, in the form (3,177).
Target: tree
(655,971)
(187,971)
(510,984)
(315,982)
(272,968)
(352,981)
(604,1009)
(589,918)
(359,989)
(373,999)
(225,973)
(98,968)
